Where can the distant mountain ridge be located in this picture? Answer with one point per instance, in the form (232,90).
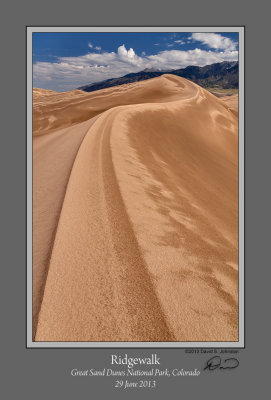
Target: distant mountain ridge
(222,75)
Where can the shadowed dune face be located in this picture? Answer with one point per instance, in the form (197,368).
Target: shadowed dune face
(143,241)
(181,192)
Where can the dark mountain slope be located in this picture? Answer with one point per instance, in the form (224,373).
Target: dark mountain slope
(220,75)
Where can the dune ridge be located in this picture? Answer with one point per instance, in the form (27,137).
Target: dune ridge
(146,244)
(59,110)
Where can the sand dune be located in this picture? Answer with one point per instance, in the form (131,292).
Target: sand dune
(53,157)
(232,103)
(136,214)
(54,110)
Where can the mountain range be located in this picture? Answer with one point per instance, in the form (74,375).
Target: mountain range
(222,75)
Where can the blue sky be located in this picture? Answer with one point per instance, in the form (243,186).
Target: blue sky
(65,61)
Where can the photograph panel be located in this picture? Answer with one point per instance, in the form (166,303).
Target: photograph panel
(137,192)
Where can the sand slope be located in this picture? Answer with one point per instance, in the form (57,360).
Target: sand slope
(143,242)
(52,110)
(53,157)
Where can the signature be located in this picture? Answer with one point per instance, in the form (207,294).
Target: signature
(216,362)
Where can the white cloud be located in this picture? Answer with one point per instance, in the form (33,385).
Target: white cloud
(129,56)
(90,45)
(214,41)
(71,72)
(179,41)
(173,59)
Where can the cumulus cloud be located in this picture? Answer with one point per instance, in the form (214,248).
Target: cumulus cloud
(70,72)
(98,48)
(90,45)
(129,56)
(214,40)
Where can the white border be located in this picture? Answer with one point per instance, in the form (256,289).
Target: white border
(30,343)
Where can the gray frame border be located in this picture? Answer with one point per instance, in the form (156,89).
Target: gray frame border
(241,342)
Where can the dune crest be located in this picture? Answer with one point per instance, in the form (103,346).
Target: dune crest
(52,110)
(146,245)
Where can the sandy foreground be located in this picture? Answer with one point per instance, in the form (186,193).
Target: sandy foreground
(135,214)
